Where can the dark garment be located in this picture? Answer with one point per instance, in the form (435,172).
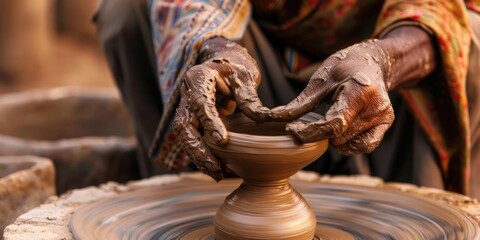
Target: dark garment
(404,155)
(124,32)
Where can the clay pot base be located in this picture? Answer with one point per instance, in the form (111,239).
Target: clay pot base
(186,211)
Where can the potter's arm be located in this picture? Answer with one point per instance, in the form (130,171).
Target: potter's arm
(356,80)
(409,56)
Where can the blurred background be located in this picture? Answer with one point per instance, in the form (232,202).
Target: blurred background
(57,96)
(47,43)
(62,123)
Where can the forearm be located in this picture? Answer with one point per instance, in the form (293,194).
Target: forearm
(409,56)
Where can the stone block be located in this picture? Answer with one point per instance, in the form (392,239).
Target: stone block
(25,183)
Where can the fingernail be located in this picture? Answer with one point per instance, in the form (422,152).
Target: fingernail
(216,137)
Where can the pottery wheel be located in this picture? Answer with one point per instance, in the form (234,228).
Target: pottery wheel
(186,210)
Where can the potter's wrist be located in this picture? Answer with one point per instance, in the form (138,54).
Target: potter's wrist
(385,49)
(409,56)
(210,48)
(374,56)
(226,57)
(219,47)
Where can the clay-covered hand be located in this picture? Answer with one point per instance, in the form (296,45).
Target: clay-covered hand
(353,81)
(226,77)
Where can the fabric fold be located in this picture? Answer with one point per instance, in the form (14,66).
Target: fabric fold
(440,102)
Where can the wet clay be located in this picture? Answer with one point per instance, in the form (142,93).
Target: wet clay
(265,206)
(186,210)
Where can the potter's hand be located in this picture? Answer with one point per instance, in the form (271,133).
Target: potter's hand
(226,77)
(355,80)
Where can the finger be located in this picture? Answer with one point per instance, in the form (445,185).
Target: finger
(378,111)
(365,142)
(307,100)
(185,126)
(245,93)
(360,125)
(338,118)
(200,82)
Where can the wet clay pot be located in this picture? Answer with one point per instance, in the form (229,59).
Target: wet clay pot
(265,206)
(87,133)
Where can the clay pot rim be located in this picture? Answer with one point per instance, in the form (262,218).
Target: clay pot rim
(265,142)
(244,137)
(287,139)
(24,163)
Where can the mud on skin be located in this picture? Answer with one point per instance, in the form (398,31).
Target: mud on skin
(356,81)
(225,78)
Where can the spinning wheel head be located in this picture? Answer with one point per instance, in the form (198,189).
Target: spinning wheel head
(186,211)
